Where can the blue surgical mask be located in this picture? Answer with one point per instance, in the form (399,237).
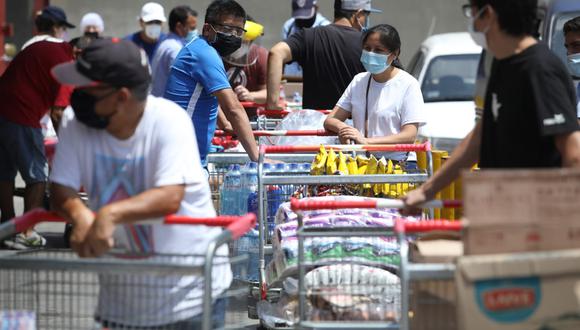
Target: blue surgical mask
(374,63)
(191,35)
(574,64)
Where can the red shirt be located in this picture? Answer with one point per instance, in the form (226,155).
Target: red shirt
(27,87)
(253,76)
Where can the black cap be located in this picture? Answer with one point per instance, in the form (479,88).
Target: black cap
(56,14)
(114,62)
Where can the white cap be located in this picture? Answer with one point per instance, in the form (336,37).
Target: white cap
(92,19)
(152,11)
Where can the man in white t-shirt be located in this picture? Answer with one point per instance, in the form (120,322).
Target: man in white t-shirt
(136,157)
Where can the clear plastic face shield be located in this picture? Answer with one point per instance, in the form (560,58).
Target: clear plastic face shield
(243,56)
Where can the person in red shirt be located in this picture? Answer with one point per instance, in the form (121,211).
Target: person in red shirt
(28,91)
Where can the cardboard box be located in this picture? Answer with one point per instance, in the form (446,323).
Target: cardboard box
(509,238)
(521,210)
(436,248)
(519,291)
(502,197)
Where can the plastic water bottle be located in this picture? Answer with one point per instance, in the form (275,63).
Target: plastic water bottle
(252,199)
(230,190)
(249,184)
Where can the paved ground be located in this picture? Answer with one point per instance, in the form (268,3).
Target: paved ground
(236,317)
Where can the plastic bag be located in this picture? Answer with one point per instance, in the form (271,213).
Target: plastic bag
(301,120)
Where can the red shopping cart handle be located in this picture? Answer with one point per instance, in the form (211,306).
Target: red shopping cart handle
(410,227)
(352,147)
(314,132)
(304,205)
(283,113)
(237,225)
(249,104)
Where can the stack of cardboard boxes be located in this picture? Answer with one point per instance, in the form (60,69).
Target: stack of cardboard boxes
(521,268)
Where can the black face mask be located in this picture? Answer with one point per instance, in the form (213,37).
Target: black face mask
(83,105)
(93,35)
(305,23)
(226,44)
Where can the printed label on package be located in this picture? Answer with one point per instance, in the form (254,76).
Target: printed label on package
(509,300)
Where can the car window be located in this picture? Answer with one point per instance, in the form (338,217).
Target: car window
(450,78)
(416,64)
(556,41)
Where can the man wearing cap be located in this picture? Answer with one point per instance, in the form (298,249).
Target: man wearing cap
(28,92)
(92,26)
(136,157)
(304,15)
(198,82)
(183,28)
(150,36)
(329,56)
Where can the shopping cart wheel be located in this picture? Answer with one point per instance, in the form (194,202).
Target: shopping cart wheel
(253,298)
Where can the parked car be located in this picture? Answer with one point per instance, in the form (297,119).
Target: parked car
(446,66)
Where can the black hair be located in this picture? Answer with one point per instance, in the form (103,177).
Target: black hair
(219,8)
(141,91)
(44,24)
(516,17)
(572,25)
(180,14)
(389,38)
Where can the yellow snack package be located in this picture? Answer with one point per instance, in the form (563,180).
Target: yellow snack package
(352,166)
(331,163)
(362,163)
(342,167)
(379,188)
(372,168)
(389,167)
(319,163)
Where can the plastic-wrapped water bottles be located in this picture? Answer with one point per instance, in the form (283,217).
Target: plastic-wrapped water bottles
(230,190)
(249,184)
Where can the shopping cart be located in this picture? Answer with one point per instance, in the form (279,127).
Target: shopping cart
(218,163)
(60,291)
(413,296)
(265,215)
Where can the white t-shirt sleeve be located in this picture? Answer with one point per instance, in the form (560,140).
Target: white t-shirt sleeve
(345,101)
(66,163)
(176,164)
(412,111)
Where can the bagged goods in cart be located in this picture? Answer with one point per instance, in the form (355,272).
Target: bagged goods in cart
(353,292)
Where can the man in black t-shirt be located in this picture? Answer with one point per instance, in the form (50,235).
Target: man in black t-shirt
(329,56)
(529,118)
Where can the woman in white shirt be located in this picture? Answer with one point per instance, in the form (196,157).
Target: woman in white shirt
(385,103)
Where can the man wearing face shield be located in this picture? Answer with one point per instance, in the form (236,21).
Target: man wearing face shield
(572,39)
(198,81)
(150,36)
(304,15)
(28,92)
(246,67)
(183,29)
(329,56)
